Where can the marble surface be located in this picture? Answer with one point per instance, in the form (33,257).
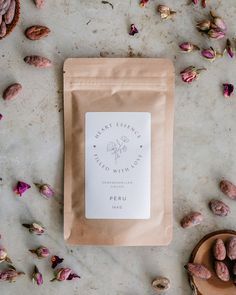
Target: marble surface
(31,140)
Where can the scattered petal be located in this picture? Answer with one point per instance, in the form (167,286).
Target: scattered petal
(143,3)
(37,277)
(228,89)
(133,30)
(165,11)
(204,25)
(216,34)
(188,47)
(21,187)
(41,252)
(10,274)
(46,190)
(63,274)
(56,260)
(229,49)
(35,228)
(190,74)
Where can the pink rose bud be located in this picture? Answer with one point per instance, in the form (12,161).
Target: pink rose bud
(190,74)
(133,30)
(35,228)
(203,25)
(21,187)
(37,277)
(41,252)
(63,274)
(216,34)
(165,11)
(10,274)
(228,89)
(46,190)
(188,47)
(209,53)
(218,22)
(229,49)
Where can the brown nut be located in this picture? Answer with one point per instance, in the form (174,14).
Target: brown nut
(12,91)
(37,32)
(39,3)
(228,188)
(192,219)
(161,284)
(222,271)
(198,271)
(219,208)
(9,16)
(219,250)
(38,61)
(231,248)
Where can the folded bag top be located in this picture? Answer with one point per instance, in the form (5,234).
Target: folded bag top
(118,123)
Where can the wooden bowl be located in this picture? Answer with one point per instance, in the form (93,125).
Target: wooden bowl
(16,18)
(202,254)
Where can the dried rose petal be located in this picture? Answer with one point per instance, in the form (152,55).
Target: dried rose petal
(190,74)
(216,34)
(133,30)
(63,274)
(41,252)
(10,274)
(228,89)
(46,190)
(165,11)
(188,47)
(143,3)
(203,25)
(21,187)
(229,49)
(56,260)
(37,277)
(35,228)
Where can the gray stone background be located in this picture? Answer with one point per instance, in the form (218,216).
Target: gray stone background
(31,139)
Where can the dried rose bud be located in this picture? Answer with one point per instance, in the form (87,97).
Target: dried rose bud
(35,228)
(229,49)
(41,252)
(210,54)
(21,187)
(195,2)
(216,34)
(63,274)
(190,74)
(204,4)
(3,256)
(161,284)
(188,47)
(56,260)
(228,89)
(46,190)
(218,22)
(203,25)
(10,274)
(37,277)
(165,11)
(143,3)
(133,30)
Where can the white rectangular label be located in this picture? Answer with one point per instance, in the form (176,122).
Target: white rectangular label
(117,165)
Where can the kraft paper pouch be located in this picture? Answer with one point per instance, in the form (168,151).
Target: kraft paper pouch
(118,151)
